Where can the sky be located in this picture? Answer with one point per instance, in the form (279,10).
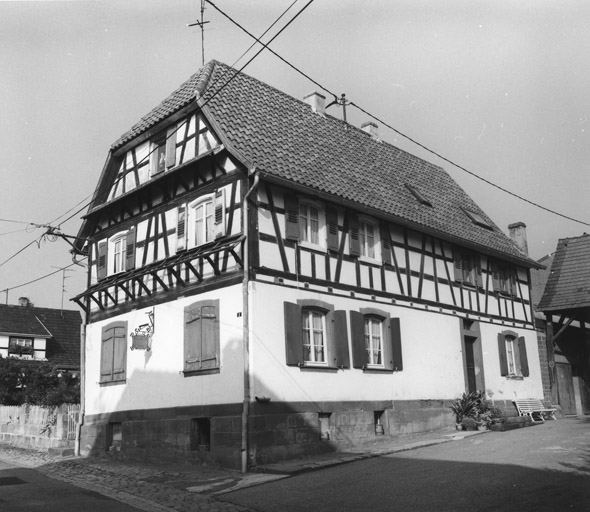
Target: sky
(501,88)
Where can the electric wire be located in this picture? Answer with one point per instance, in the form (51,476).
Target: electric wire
(36,241)
(401,134)
(37,279)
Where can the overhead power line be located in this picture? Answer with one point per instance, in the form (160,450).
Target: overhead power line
(435,153)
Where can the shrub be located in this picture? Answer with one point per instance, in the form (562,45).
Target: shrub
(36,383)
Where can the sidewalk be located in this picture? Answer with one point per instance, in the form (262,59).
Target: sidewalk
(166,485)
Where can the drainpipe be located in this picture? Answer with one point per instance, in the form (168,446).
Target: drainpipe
(82,387)
(245,316)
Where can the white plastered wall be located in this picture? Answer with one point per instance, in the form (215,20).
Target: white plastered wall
(155,378)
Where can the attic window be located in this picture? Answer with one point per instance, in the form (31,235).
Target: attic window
(418,195)
(476,218)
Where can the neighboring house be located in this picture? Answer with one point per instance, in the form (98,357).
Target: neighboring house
(41,334)
(268,281)
(565,304)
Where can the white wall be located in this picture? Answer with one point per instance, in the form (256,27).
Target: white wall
(155,378)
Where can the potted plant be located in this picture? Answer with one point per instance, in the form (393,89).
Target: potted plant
(466,410)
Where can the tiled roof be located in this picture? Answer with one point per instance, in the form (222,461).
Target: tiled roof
(61,328)
(539,279)
(568,285)
(285,139)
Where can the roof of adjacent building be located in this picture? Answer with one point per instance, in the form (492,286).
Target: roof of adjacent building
(61,328)
(286,140)
(568,285)
(539,279)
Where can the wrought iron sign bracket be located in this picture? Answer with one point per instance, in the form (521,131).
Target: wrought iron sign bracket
(141,338)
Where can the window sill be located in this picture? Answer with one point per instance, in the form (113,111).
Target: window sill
(314,367)
(369,260)
(514,377)
(376,369)
(313,247)
(112,383)
(206,371)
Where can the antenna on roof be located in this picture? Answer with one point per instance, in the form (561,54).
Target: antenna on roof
(201,24)
(341,101)
(63,286)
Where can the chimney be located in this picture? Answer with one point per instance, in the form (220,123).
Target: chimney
(317,102)
(371,128)
(24,302)
(517,233)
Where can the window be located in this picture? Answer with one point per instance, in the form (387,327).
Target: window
(503,279)
(376,340)
(113,354)
(364,237)
(309,223)
(201,337)
(315,335)
(467,268)
(21,347)
(163,151)
(305,222)
(478,219)
(513,355)
(418,195)
(206,218)
(121,248)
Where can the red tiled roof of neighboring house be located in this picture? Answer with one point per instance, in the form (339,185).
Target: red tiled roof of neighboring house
(568,285)
(285,140)
(539,278)
(61,328)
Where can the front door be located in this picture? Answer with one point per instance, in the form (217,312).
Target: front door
(565,388)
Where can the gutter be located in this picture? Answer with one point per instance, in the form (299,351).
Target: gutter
(246,316)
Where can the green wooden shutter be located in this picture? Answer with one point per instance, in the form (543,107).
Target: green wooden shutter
(332,221)
(355,246)
(181,228)
(360,358)
(219,209)
(458,266)
(192,338)
(293,334)
(524,361)
(106,355)
(340,339)
(130,249)
(120,353)
(396,345)
(291,217)
(502,353)
(385,244)
(210,335)
(101,260)
(171,147)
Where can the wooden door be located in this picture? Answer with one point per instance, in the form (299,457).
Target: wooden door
(470,365)
(565,388)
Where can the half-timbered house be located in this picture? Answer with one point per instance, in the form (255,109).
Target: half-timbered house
(266,280)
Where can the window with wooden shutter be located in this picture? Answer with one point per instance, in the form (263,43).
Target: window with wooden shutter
(291,217)
(355,246)
(293,334)
(113,356)
(201,336)
(181,228)
(338,339)
(101,260)
(513,355)
(332,221)
(457,266)
(219,205)
(524,361)
(502,354)
(396,364)
(130,249)
(360,358)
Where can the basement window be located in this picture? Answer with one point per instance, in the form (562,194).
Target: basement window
(200,435)
(477,219)
(418,195)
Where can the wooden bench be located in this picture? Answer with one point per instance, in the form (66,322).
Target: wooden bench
(535,409)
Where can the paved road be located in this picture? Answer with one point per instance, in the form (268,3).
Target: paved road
(542,468)
(26,490)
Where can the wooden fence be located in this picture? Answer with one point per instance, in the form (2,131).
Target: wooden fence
(39,427)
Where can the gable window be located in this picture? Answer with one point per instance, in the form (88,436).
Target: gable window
(513,355)
(201,337)
(467,268)
(206,221)
(21,347)
(163,151)
(305,222)
(116,254)
(315,335)
(376,340)
(367,239)
(113,353)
